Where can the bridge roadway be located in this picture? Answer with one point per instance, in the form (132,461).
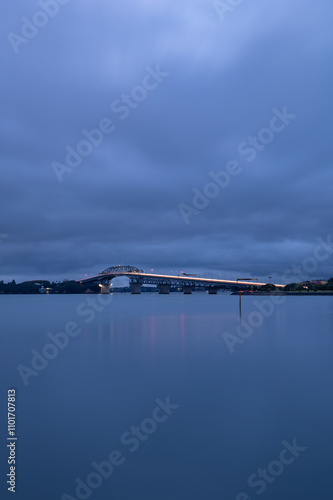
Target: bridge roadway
(138,278)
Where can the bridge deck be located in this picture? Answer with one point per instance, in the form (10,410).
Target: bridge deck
(148,278)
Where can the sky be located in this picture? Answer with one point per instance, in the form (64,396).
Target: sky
(170,135)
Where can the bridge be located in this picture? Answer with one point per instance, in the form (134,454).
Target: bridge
(137,278)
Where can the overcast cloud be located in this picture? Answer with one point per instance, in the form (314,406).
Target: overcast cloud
(212,83)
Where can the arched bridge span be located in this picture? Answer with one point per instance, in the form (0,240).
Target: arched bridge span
(138,277)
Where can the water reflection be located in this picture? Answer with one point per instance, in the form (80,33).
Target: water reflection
(182,330)
(235,409)
(152,334)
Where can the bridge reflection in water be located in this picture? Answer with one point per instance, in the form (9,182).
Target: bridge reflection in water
(137,278)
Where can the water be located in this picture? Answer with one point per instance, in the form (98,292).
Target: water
(231,413)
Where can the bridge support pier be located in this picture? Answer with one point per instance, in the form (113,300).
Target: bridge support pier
(164,289)
(136,288)
(105,288)
(187,290)
(212,291)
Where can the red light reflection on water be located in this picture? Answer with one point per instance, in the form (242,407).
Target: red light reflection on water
(152,335)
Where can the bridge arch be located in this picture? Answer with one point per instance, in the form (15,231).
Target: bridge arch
(121,270)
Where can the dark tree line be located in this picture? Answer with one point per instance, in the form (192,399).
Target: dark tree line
(51,287)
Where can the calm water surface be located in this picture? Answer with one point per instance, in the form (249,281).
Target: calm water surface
(229,414)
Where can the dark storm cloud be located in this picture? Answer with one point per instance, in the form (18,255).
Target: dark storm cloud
(121,203)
